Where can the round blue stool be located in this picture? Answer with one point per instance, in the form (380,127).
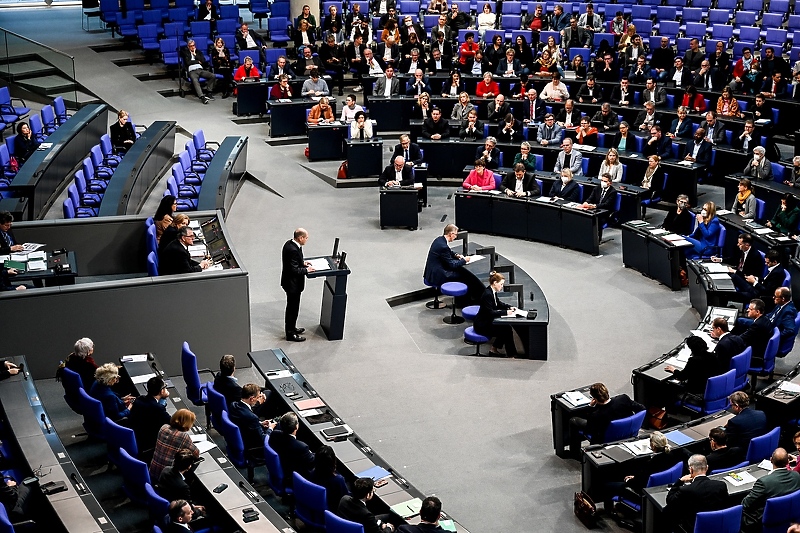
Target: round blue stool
(470,337)
(454,289)
(436,303)
(470,312)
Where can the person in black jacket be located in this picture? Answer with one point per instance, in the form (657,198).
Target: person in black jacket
(25,144)
(429,515)
(197,67)
(694,493)
(397,174)
(519,183)
(149,413)
(728,344)
(603,197)
(722,456)
(225,383)
(175,258)
(121,132)
(8,242)
(746,425)
(605,410)
(701,365)
(294,454)
(436,127)
(748,261)
(251,428)
(354,508)
(293,281)
(679,219)
(490,308)
(172,483)
(410,151)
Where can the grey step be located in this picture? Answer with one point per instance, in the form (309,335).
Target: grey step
(20,70)
(48,84)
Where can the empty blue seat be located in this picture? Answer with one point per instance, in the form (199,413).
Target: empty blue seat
(471,311)
(470,337)
(724,521)
(761,448)
(454,289)
(334,524)
(310,501)
(780,512)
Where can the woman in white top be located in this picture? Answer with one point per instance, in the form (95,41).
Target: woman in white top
(611,165)
(552,47)
(361,125)
(486,20)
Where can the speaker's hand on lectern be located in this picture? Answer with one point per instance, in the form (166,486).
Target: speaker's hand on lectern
(310,269)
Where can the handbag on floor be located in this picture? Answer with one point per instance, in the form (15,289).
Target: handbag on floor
(342,174)
(585,509)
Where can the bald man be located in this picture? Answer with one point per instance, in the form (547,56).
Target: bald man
(293,281)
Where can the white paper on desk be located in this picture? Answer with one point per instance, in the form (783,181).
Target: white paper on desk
(319,264)
(284,100)
(418,185)
(142,379)
(724,211)
(316,98)
(45,146)
(31,246)
(706,337)
(685,163)
(783,238)
(19,257)
(37,266)
(658,231)
(194,224)
(309,412)
(4,258)
(494,192)
(136,358)
(521,313)
(215,266)
(545,199)
(576,398)
(37,255)
(719,276)
(476,257)
(639,447)
(199,437)
(788,386)
(715,267)
(573,205)
(739,478)
(672,237)
(763,231)
(681,242)
(205,445)
(677,363)
(765,464)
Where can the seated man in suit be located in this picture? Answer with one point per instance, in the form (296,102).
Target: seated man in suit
(410,151)
(8,243)
(746,425)
(782,315)
(353,507)
(682,126)
(758,332)
(149,413)
(603,197)
(569,117)
(745,140)
(590,92)
(728,344)
(754,286)
(396,174)
(180,515)
(172,483)
(429,515)
(519,183)
(438,63)
(281,67)
(747,261)
(698,151)
(658,144)
(388,85)
(489,153)
(472,128)
(779,482)
(647,118)
(294,454)
(775,87)
(722,456)
(714,129)
(307,63)
(242,413)
(569,158)
(605,119)
(533,109)
(549,132)
(418,84)
(694,493)
(497,109)
(443,263)
(605,410)
(250,41)
(389,51)
(175,258)
(510,130)
(225,383)
(197,67)
(436,127)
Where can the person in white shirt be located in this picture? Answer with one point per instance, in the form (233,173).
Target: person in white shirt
(180,514)
(373,66)
(555,90)
(361,128)
(350,109)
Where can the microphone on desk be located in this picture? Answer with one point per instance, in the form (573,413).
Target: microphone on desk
(46,425)
(155,368)
(250,493)
(311,391)
(78,484)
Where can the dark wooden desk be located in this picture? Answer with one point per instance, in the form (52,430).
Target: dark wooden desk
(251,98)
(52,277)
(705,292)
(561,411)
(224,175)
(650,254)
(769,191)
(289,118)
(779,405)
(326,141)
(365,158)
(398,207)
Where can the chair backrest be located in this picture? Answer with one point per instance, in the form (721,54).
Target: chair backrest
(787,279)
(781,511)
(120,438)
(772,350)
(671,475)
(787,344)
(761,206)
(5,524)
(93,415)
(71,381)
(233,440)
(724,521)
(310,500)
(761,448)
(158,506)
(216,403)
(741,364)
(624,428)
(135,476)
(152,243)
(743,464)
(718,388)
(190,375)
(152,264)
(49,117)
(275,469)
(334,524)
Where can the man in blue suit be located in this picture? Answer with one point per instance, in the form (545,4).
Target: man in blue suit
(252,429)
(698,151)
(443,263)
(746,425)
(782,315)
(763,288)
(294,454)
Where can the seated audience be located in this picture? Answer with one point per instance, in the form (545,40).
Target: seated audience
(746,425)
(519,183)
(779,482)
(744,204)
(533,109)
(294,454)
(497,109)
(603,197)
(349,109)
(354,508)
(462,108)
(728,344)
(175,257)
(81,361)
(693,101)
(490,308)
(121,133)
(786,216)
(221,61)
(170,234)
(279,91)
(397,174)
(242,413)
(480,178)
(555,90)
(604,410)
(172,483)
(682,126)
(435,127)
(325,475)
(410,151)
(705,236)
(361,128)
(680,218)
(569,158)
(149,413)
(25,143)
(180,516)
(429,515)
(756,286)
(321,113)
(172,437)
(314,85)
(759,167)
(163,217)
(105,377)
(701,365)
(653,179)
(698,151)
(422,109)
(525,157)
(568,117)
(586,134)
(624,140)
(694,493)
(606,118)
(648,118)
(418,84)
(566,188)
(472,128)
(510,130)
(549,132)
(19,504)
(747,261)
(745,140)
(714,129)
(658,144)
(727,106)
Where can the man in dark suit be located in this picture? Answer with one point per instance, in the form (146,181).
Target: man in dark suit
(679,74)
(225,383)
(293,281)
(605,410)
(429,515)
(497,109)
(519,183)
(175,258)
(443,263)
(748,261)
(603,197)
(533,109)
(438,63)
(172,483)
(388,80)
(418,84)
(197,67)
(354,52)
(353,507)
(281,67)
(754,286)
(251,428)
(698,151)
(489,152)
(758,332)
(410,151)
(569,116)
(714,129)
(745,140)
(180,515)
(784,314)
(647,118)
(472,128)
(294,454)
(694,493)
(590,92)
(728,344)
(746,425)
(778,482)
(775,87)
(435,127)
(443,45)
(393,56)
(396,174)
(245,40)
(721,456)
(8,243)
(149,413)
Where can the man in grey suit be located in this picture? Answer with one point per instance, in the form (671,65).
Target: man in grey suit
(778,482)
(569,158)
(388,86)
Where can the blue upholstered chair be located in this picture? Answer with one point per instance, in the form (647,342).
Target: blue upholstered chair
(310,502)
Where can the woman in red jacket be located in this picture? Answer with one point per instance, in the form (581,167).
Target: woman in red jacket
(693,100)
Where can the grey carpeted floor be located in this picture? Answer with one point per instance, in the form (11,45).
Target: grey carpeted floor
(474,431)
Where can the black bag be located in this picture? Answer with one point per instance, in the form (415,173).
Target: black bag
(585,509)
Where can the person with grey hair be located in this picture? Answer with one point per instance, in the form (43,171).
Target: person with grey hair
(746,425)
(795,173)
(694,493)
(779,482)
(175,257)
(294,454)
(81,362)
(489,153)
(569,158)
(759,167)
(197,67)
(115,408)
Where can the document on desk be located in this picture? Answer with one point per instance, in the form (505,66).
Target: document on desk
(719,276)
(37,266)
(715,268)
(19,257)
(783,238)
(724,212)
(738,479)
(522,313)
(194,224)
(37,255)
(319,264)
(202,442)
(310,403)
(375,473)
(215,266)
(576,398)
(545,199)
(763,231)
(678,438)
(136,358)
(765,464)
(788,386)
(474,258)
(639,447)
(672,237)
(408,509)
(658,231)
(681,242)
(711,343)
(142,379)
(197,250)
(447,525)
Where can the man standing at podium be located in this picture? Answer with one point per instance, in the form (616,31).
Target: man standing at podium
(293,281)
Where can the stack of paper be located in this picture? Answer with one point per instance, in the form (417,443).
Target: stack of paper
(711,343)
(739,478)
(788,386)
(408,508)
(639,447)
(724,212)
(319,264)
(31,246)
(576,398)
(37,266)
(763,231)
(714,268)
(202,442)
(37,255)
(659,231)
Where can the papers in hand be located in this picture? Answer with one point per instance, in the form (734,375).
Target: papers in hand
(31,246)
(576,398)
(739,478)
(137,358)
(319,264)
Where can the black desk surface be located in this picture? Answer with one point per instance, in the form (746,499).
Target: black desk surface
(353,454)
(49,273)
(77,508)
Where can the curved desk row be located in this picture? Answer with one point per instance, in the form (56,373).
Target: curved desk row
(139,170)
(644,249)
(768,190)
(354,456)
(40,179)
(75,510)
(779,400)
(224,175)
(540,219)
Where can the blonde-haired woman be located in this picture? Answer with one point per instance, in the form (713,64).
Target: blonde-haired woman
(706,234)
(105,377)
(611,165)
